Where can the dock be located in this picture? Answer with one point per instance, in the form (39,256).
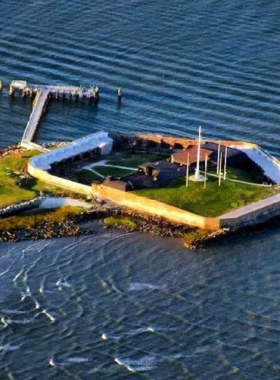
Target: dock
(40,103)
(42,96)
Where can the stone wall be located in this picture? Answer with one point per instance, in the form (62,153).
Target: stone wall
(59,182)
(19,207)
(152,207)
(255,213)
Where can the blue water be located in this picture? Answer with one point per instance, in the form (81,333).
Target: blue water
(163,312)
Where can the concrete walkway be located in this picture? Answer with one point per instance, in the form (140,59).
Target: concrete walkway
(104,163)
(35,117)
(236,180)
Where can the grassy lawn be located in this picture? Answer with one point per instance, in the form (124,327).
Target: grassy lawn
(108,171)
(86,176)
(32,220)
(213,201)
(14,187)
(10,179)
(239,174)
(133,160)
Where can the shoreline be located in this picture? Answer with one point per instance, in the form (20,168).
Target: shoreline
(128,221)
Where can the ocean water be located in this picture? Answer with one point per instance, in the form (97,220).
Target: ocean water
(131,305)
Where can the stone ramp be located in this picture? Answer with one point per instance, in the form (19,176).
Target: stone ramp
(268,163)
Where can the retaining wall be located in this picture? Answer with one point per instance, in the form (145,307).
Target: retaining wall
(59,182)
(255,213)
(19,207)
(152,207)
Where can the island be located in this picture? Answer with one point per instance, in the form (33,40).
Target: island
(196,189)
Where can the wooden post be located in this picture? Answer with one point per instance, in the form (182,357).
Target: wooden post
(187,170)
(205,171)
(220,167)
(218,159)
(119,94)
(225,164)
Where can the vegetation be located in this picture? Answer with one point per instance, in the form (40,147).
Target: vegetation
(133,160)
(212,201)
(241,175)
(111,171)
(11,178)
(16,187)
(31,220)
(87,176)
(120,221)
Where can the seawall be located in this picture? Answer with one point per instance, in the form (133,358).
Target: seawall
(152,207)
(59,182)
(253,214)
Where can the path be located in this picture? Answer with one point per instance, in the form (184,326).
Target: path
(104,163)
(34,119)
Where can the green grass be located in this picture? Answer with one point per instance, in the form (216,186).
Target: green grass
(109,171)
(120,221)
(11,189)
(87,176)
(20,222)
(239,174)
(133,160)
(212,201)
(14,187)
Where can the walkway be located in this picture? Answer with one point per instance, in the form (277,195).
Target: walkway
(40,103)
(35,117)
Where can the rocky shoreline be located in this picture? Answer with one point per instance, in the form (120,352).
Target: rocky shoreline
(192,238)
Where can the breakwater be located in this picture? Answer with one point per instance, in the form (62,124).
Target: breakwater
(20,207)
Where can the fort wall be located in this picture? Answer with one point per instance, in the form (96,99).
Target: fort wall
(152,207)
(252,214)
(59,182)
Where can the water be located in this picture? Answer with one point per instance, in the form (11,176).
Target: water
(134,305)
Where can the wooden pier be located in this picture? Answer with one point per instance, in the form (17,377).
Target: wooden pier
(42,96)
(40,104)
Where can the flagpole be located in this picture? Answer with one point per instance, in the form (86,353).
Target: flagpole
(197,174)
(220,167)
(187,170)
(206,158)
(218,159)
(225,164)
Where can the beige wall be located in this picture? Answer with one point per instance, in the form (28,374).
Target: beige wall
(139,204)
(142,204)
(59,182)
(255,213)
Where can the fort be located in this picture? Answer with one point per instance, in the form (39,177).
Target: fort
(132,170)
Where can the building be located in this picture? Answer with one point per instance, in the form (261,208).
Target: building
(96,144)
(181,157)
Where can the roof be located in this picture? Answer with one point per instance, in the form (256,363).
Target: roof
(85,144)
(181,157)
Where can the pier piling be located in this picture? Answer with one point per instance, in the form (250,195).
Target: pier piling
(11,91)
(43,94)
(119,94)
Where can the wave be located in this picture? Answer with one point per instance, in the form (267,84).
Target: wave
(145,363)
(139,286)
